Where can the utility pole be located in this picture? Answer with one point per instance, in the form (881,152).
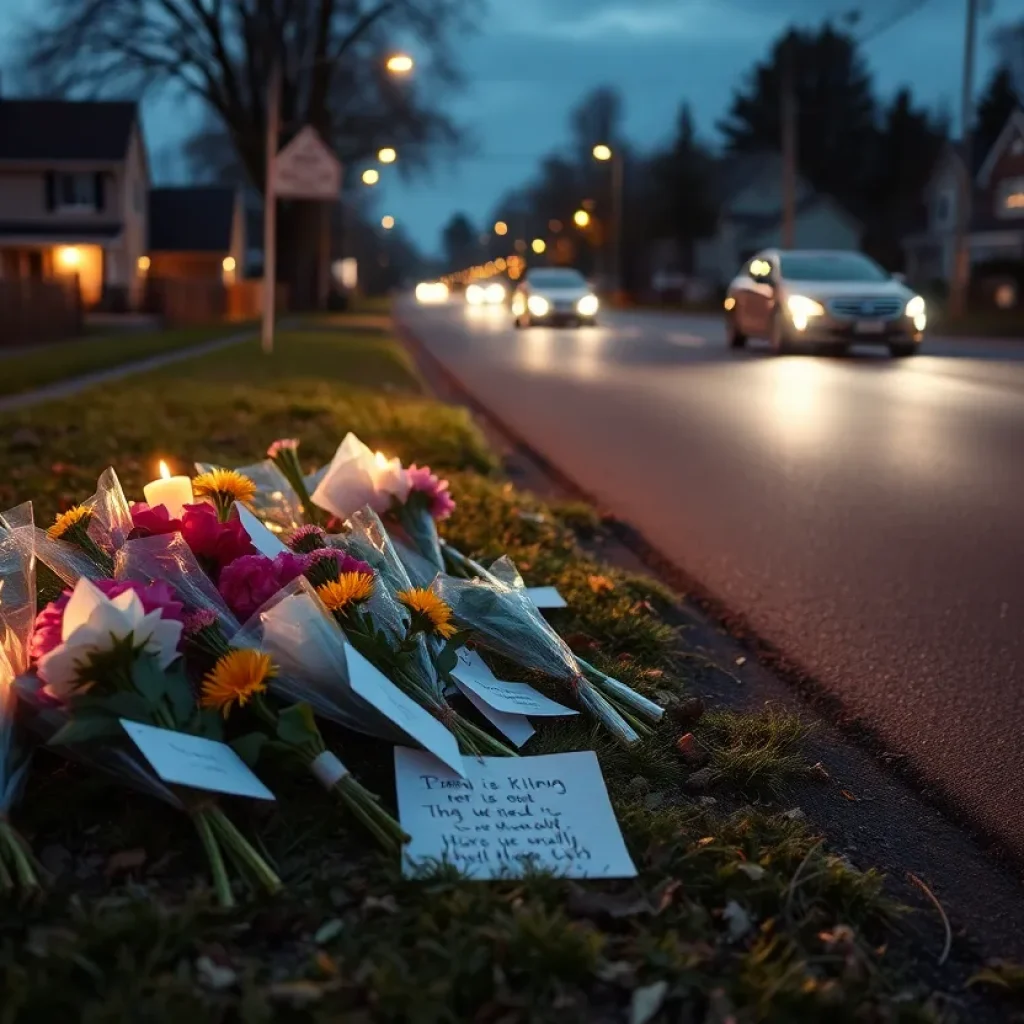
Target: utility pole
(789,142)
(618,176)
(270,208)
(961,280)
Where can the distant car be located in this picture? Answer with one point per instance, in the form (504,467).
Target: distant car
(485,293)
(554,295)
(825,300)
(431,292)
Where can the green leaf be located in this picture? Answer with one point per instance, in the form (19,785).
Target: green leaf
(149,679)
(117,705)
(208,724)
(297,726)
(250,747)
(85,729)
(179,694)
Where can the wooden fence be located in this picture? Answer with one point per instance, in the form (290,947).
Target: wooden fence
(183,302)
(37,311)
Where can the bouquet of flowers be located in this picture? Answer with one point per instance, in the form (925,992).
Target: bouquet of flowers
(237,685)
(495,606)
(107,652)
(271,496)
(17,612)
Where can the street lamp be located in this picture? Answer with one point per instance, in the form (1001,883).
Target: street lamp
(501,228)
(605,154)
(371,176)
(538,245)
(387,155)
(387,223)
(581,218)
(399,64)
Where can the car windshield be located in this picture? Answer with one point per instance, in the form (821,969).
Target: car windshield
(556,279)
(830,266)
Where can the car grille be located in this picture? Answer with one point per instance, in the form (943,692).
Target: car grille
(866,309)
(563,306)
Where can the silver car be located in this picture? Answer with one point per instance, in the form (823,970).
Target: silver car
(554,295)
(822,300)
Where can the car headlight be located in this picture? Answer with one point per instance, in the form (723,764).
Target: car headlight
(801,308)
(915,307)
(495,294)
(587,306)
(474,295)
(538,305)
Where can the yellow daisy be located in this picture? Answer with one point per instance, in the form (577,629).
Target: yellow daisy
(350,588)
(429,613)
(238,676)
(68,520)
(224,484)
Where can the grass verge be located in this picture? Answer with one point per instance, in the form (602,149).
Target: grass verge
(741,916)
(64,360)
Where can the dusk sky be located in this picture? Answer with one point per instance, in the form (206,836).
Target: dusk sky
(532,60)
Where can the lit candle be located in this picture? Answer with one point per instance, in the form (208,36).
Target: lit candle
(173,492)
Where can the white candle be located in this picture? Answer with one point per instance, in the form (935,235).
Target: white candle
(173,492)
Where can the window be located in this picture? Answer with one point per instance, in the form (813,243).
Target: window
(76,192)
(942,211)
(831,266)
(1010,198)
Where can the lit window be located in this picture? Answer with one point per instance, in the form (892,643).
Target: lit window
(1010,197)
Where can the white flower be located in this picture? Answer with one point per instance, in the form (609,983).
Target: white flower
(93,623)
(357,477)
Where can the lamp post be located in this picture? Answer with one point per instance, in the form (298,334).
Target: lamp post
(605,154)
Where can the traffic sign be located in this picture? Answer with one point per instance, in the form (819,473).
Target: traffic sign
(307,169)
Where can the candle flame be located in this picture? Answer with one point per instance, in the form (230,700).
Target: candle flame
(165,473)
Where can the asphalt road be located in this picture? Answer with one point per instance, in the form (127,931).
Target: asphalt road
(863,514)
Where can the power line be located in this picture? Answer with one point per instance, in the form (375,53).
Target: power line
(894,19)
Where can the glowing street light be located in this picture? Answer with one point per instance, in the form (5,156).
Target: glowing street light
(602,152)
(399,64)
(581,218)
(387,155)
(371,176)
(501,228)
(538,245)
(387,223)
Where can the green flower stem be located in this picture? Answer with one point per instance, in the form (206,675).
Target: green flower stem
(475,741)
(365,806)
(221,883)
(622,696)
(287,460)
(6,881)
(245,851)
(20,856)
(79,536)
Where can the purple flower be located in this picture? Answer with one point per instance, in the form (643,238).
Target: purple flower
(422,481)
(46,634)
(252,580)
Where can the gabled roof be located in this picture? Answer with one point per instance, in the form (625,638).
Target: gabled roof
(1014,127)
(738,170)
(191,219)
(88,130)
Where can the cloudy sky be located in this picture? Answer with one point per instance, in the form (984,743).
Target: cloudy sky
(532,60)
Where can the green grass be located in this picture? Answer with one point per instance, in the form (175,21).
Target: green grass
(744,916)
(88,354)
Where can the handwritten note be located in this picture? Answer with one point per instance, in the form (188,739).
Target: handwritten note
(546,597)
(186,760)
(550,812)
(474,677)
(263,540)
(369,683)
(516,728)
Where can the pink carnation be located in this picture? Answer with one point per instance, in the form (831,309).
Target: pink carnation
(249,582)
(346,562)
(197,621)
(282,444)
(152,520)
(435,490)
(46,634)
(216,542)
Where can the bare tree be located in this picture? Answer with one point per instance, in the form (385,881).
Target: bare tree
(331,53)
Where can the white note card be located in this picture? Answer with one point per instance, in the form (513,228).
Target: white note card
(550,812)
(263,540)
(546,597)
(369,683)
(516,728)
(185,760)
(474,677)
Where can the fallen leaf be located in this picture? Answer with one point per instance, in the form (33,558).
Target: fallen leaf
(586,903)
(600,584)
(616,971)
(741,661)
(385,903)
(325,964)
(847,795)
(796,814)
(214,976)
(753,871)
(125,860)
(647,1002)
(738,921)
(328,930)
(706,841)
(665,893)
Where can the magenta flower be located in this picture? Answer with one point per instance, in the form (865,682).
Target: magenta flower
(308,538)
(345,561)
(249,582)
(282,444)
(422,481)
(211,540)
(154,597)
(197,621)
(150,521)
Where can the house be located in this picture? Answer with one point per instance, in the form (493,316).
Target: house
(73,182)
(996,228)
(750,217)
(196,234)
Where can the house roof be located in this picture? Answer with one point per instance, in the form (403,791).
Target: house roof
(1014,128)
(89,130)
(57,230)
(191,219)
(738,170)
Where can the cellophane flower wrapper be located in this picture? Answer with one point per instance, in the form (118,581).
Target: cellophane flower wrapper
(275,502)
(109,528)
(308,646)
(503,618)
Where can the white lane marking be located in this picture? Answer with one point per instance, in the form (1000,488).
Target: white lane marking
(686,340)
